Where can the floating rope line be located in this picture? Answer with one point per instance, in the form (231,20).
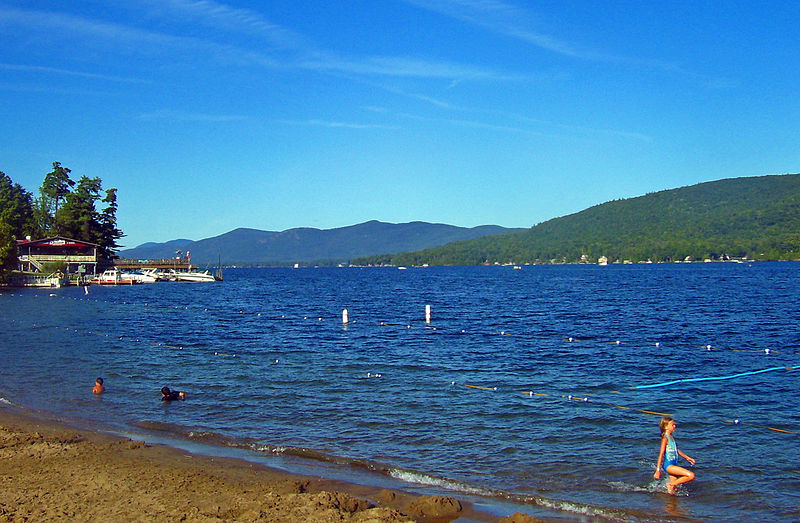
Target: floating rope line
(782,431)
(710,348)
(712,378)
(586,399)
(589,400)
(319,319)
(479,387)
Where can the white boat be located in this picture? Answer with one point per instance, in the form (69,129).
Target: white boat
(113,277)
(139,277)
(195,276)
(160,274)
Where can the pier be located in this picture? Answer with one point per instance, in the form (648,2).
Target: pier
(176,264)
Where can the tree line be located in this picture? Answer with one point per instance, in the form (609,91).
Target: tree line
(64,207)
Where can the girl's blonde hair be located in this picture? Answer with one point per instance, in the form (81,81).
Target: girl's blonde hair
(664,422)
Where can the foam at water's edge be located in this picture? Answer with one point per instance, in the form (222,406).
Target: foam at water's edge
(424,479)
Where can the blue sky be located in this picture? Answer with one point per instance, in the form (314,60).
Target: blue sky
(210,115)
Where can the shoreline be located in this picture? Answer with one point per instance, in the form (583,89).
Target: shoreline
(50,470)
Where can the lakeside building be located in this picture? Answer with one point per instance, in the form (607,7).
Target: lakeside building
(76,256)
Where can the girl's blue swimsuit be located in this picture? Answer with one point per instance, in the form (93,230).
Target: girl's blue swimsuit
(671,453)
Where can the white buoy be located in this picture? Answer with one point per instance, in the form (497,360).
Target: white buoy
(345,317)
(427,314)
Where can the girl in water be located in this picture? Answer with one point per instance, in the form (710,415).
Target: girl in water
(668,457)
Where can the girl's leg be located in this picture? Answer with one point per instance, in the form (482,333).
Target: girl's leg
(678,476)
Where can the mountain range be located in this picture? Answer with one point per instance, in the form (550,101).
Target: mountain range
(756,218)
(309,245)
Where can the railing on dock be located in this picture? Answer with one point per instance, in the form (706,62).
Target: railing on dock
(166,263)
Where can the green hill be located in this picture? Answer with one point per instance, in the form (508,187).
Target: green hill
(755,217)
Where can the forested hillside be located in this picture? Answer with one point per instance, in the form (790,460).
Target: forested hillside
(756,217)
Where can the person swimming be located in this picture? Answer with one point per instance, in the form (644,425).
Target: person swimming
(99,388)
(170,395)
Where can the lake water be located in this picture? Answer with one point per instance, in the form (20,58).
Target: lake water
(486,402)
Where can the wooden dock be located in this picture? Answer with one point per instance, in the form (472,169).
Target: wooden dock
(176,264)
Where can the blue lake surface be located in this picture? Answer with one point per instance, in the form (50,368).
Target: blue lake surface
(511,396)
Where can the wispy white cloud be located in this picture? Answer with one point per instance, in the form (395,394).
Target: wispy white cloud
(247,21)
(102,36)
(337,125)
(182,116)
(408,67)
(99,35)
(504,18)
(574,130)
(209,13)
(66,72)
(475,124)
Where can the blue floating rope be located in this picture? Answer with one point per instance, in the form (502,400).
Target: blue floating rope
(713,378)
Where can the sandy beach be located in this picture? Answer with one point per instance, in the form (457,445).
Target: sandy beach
(50,471)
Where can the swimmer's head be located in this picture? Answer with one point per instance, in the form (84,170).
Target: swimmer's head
(99,381)
(165,391)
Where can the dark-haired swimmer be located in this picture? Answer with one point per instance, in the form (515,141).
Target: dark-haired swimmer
(170,395)
(98,386)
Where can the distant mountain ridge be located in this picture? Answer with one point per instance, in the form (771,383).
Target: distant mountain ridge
(305,244)
(749,217)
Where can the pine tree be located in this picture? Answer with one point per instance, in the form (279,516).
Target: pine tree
(16,221)
(54,190)
(77,218)
(109,233)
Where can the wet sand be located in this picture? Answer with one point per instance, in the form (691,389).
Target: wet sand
(50,471)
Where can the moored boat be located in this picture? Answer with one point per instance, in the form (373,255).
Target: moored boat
(161,274)
(139,277)
(113,277)
(195,276)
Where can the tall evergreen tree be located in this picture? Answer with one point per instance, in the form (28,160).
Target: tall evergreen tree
(54,190)
(109,233)
(8,251)
(16,207)
(16,221)
(78,217)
